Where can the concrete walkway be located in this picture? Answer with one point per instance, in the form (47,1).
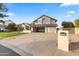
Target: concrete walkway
(35,44)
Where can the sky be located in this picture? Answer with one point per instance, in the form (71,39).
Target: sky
(28,12)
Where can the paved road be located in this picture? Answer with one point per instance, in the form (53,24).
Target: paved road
(4,51)
(35,44)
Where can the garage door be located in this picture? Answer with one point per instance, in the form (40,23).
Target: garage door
(39,29)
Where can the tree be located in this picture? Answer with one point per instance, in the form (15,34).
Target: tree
(67,24)
(19,28)
(12,27)
(71,25)
(76,23)
(3,9)
(3,15)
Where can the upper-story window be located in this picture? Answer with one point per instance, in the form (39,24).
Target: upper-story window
(43,19)
(43,22)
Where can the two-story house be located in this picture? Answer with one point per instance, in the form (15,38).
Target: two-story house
(25,26)
(44,24)
(4,24)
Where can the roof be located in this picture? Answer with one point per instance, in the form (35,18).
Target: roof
(44,25)
(26,24)
(1,21)
(46,16)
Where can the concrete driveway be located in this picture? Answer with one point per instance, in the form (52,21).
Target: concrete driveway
(31,44)
(35,44)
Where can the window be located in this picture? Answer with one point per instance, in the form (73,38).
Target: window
(43,20)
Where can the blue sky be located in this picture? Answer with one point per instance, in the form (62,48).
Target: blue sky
(28,12)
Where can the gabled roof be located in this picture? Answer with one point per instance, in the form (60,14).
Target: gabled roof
(26,24)
(45,16)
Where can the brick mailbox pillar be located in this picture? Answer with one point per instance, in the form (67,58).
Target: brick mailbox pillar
(63,40)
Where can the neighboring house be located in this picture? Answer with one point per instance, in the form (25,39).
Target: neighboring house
(4,24)
(7,22)
(25,27)
(44,24)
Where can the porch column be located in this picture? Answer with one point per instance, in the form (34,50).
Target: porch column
(46,29)
(32,29)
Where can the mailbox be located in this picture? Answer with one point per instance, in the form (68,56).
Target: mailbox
(63,40)
(63,34)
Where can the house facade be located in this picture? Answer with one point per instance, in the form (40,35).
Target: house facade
(25,27)
(44,24)
(4,24)
(7,22)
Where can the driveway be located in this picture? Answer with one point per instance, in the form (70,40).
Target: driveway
(35,44)
(32,44)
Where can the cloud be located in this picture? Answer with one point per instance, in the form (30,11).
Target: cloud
(45,10)
(2,12)
(31,18)
(71,12)
(68,16)
(10,14)
(68,4)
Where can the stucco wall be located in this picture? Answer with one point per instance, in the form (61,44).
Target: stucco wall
(76,30)
(50,29)
(71,30)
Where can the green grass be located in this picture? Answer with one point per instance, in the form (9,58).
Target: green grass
(9,34)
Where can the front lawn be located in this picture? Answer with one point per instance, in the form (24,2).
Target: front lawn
(10,34)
